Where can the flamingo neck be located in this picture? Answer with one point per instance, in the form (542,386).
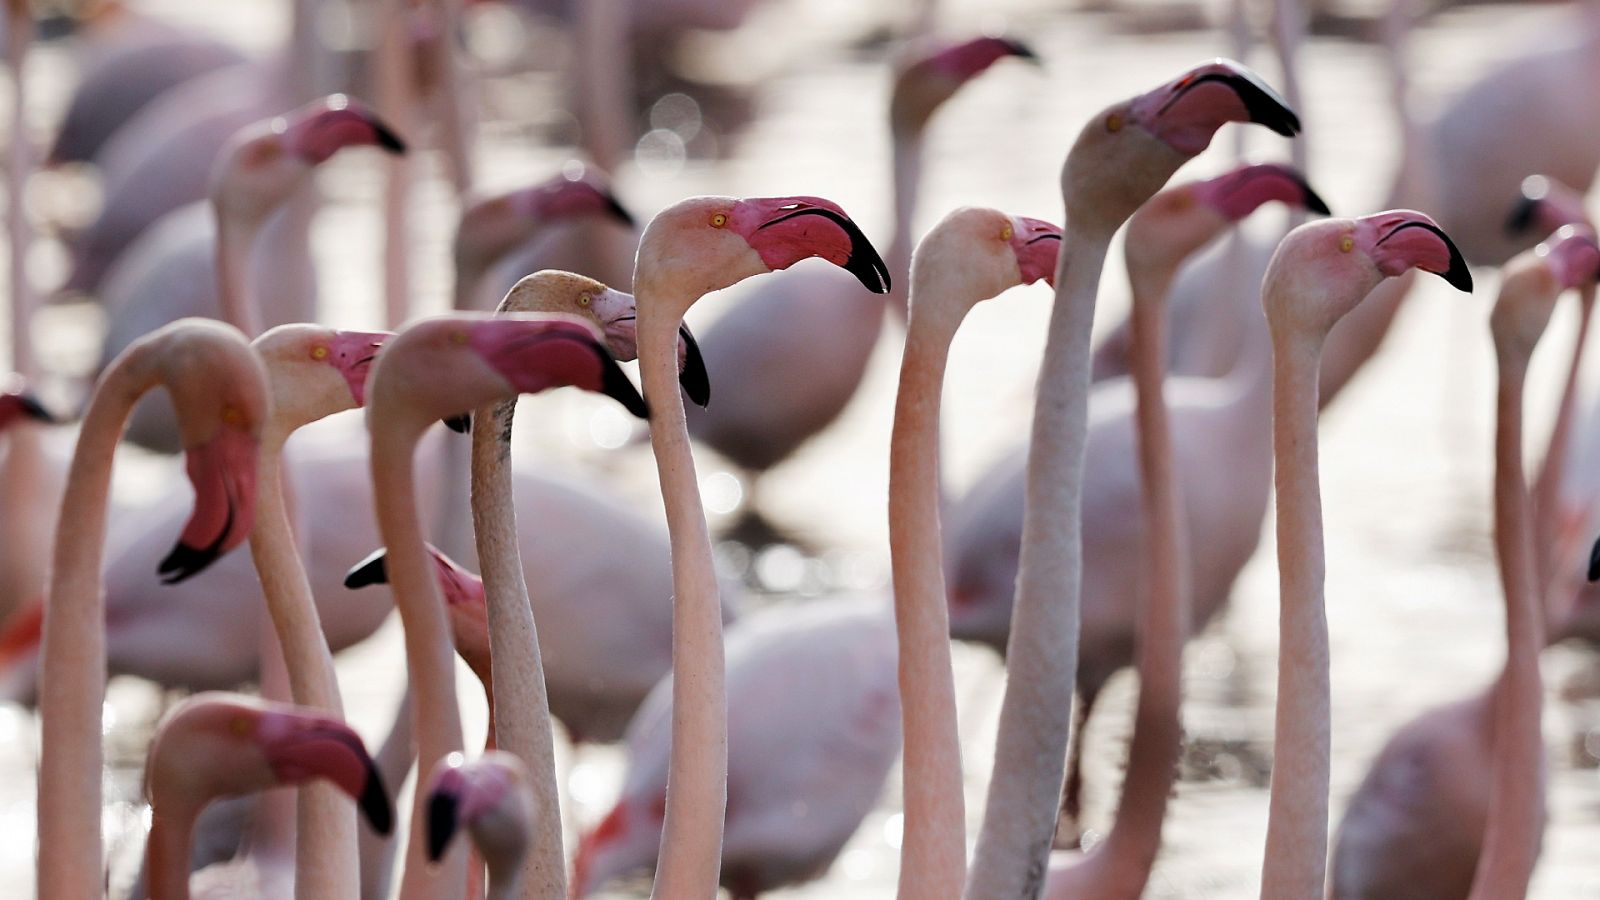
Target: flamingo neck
(1297,817)
(19,165)
(1035,718)
(72,646)
(1129,851)
(519,700)
(1516,793)
(430,655)
(1551,557)
(326,851)
(27,516)
(167,852)
(933,851)
(906,170)
(235,240)
(697,787)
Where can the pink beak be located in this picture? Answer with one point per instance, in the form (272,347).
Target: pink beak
(562,197)
(970,58)
(335,122)
(1246,189)
(533,355)
(19,404)
(223,472)
(1186,112)
(1574,256)
(786,230)
(302,747)
(1037,245)
(1403,239)
(352,354)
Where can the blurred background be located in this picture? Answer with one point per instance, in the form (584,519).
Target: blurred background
(779,97)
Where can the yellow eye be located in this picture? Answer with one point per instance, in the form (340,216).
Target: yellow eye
(240,726)
(1346,244)
(1114,122)
(584,300)
(719,220)
(319,352)
(458,337)
(1005,233)
(232,415)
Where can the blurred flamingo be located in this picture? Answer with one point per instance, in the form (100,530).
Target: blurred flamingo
(489,798)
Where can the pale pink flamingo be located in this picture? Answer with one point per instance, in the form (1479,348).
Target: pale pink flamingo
(1416,826)
(691,248)
(1320,272)
(799,347)
(441,368)
(489,798)
(1120,159)
(971,255)
(222,399)
(212,746)
(812,733)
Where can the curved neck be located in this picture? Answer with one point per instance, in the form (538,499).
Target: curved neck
(1129,851)
(167,852)
(1550,584)
(1297,817)
(429,655)
(521,707)
(73,666)
(933,851)
(326,852)
(1035,717)
(697,786)
(234,242)
(906,169)
(1516,794)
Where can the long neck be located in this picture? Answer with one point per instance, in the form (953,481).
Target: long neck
(167,852)
(933,852)
(1548,509)
(394,759)
(429,654)
(1035,717)
(326,852)
(73,668)
(906,155)
(505,882)
(28,495)
(234,242)
(697,786)
(1516,792)
(521,706)
(1130,849)
(1297,817)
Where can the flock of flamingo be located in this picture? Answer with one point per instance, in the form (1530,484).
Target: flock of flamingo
(753,755)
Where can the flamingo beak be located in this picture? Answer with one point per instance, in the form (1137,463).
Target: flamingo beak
(223,472)
(692,372)
(1594,561)
(340,122)
(786,230)
(1187,112)
(1412,240)
(22,404)
(300,750)
(614,383)
(1242,191)
(1525,213)
(569,352)
(370,571)
(352,354)
(444,815)
(1037,245)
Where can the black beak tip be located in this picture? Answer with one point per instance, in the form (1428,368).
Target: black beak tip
(461,424)
(619,212)
(185,562)
(1594,561)
(695,379)
(1458,275)
(35,410)
(614,383)
(1315,203)
(442,807)
(372,570)
(388,140)
(1520,218)
(1265,105)
(1022,51)
(375,802)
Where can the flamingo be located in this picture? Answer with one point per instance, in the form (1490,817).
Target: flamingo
(489,798)
(1416,826)
(1321,272)
(31,476)
(438,369)
(1122,157)
(222,399)
(971,255)
(221,745)
(691,248)
(1212,419)
(801,345)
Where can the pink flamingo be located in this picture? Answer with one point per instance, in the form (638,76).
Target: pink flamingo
(1321,272)
(440,368)
(971,255)
(490,799)
(1122,157)
(694,247)
(1417,825)
(221,745)
(221,396)
(800,346)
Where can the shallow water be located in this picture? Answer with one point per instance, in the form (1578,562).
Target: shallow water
(1405,471)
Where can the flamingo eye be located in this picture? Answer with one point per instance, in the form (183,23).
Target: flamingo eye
(719,220)
(319,352)
(1005,233)
(1114,123)
(232,415)
(239,725)
(459,337)
(584,300)
(1346,244)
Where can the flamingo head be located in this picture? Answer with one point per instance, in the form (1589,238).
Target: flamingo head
(444,367)
(705,244)
(1544,205)
(1178,221)
(613,312)
(489,797)
(18,404)
(220,392)
(494,226)
(928,78)
(465,603)
(1127,153)
(984,251)
(264,163)
(1530,284)
(1322,270)
(218,745)
(314,371)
